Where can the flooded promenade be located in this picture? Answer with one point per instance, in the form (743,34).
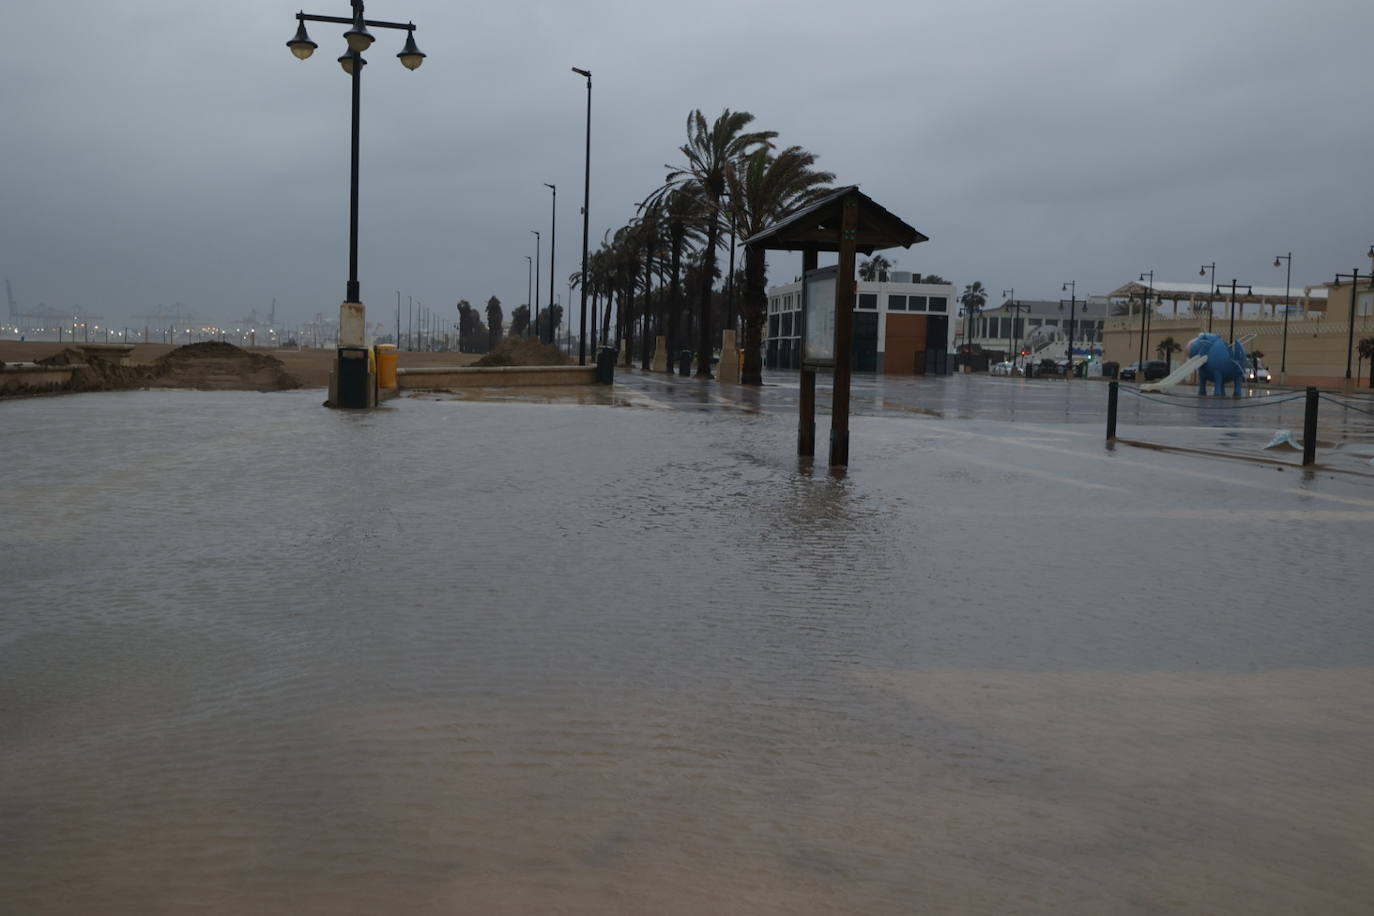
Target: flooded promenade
(632,656)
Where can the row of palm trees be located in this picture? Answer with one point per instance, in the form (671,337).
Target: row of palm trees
(659,270)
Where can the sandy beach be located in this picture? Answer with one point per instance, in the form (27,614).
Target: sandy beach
(309,366)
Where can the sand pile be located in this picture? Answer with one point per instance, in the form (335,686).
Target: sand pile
(523,351)
(214,366)
(97,374)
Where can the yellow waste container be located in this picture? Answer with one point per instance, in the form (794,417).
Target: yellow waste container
(386,365)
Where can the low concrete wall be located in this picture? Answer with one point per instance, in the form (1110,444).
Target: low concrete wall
(494,376)
(26,378)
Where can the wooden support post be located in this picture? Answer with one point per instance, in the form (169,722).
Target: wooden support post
(806,420)
(844,335)
(806,423)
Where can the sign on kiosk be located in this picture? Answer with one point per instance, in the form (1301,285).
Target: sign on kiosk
(818,317)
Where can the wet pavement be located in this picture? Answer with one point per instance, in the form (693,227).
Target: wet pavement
(620,651)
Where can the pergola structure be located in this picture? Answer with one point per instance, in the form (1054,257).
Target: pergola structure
(848,222)
(1200,297)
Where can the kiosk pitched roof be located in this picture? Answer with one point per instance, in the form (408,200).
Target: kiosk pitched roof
(817,227)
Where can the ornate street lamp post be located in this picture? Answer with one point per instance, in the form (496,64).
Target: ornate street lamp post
(352,316)
(1354,277)
(1202,272)
(1149,276)
(1287,306)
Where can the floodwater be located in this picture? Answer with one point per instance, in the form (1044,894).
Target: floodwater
(464,656)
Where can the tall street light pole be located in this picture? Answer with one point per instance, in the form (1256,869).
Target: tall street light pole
(352,316)
(586,203)
(535,315)
(1144,310)
(1287,306)
(1354,278)
(1016,308)
(1202,272)
(1072,287)
(553,240)
(1248,289)
(1010,296)
(529,286)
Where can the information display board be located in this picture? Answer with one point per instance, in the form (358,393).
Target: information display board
(818,317)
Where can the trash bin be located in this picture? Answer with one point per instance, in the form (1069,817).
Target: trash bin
(684,363)
(386,365)
(1110,369)
(352,382)
(605,366)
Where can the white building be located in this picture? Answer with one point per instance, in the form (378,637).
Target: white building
(1031,330)
(901,326)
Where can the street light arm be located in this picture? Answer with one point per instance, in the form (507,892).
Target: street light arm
(348,20)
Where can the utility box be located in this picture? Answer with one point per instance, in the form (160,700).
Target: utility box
(353,378)
(605,366)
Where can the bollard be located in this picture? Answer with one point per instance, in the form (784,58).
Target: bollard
(1111,410)
(605,365)
(1309,429)
(684,363)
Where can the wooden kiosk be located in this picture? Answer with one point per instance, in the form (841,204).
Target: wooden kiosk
(846,221)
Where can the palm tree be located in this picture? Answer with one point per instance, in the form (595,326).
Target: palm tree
(1168,347)
(765,188)
(708,152)
(1366,351)
(974,298)
(875,268)
(494,321)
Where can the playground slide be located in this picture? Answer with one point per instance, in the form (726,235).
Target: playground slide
(1178,375)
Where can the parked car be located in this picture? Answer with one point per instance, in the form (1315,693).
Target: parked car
(1149,371)
(1004,368)
(1257,374)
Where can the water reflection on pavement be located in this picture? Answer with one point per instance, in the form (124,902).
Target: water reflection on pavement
(630,655)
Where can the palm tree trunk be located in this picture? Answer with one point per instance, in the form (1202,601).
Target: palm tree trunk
(755,309)
(708,270)
(646,325)
(674,292)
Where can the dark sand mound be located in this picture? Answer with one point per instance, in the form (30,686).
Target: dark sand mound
(523,351)
(214,366)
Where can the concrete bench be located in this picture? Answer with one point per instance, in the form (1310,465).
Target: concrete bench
(494,376)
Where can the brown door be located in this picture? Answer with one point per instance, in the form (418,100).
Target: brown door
(906,336)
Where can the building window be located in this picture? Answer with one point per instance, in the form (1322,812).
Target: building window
(787,324)
(868,300)
(1366,304)
(1034,322)
(916,303)
(772,325)
(896,303)
(994,327)
(939,303)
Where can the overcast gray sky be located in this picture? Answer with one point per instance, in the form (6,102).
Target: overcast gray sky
(161,152)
